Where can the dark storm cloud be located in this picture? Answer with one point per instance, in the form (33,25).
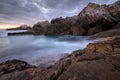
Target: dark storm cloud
(31,11)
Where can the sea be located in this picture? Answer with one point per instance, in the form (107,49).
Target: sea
(38,50)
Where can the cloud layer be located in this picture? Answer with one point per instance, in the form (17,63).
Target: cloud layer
(31,11)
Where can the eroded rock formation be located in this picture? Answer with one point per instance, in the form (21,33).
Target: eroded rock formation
(94,18)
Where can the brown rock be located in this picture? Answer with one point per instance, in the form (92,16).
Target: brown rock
(40,27)
(12,66)
(108,46)
(109,33)
(95,30)
(28,74)
(93,70)
(78,30)
(90,56)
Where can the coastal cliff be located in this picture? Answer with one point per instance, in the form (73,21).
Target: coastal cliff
(94,18)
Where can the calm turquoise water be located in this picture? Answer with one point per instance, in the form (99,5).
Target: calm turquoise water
(39,50)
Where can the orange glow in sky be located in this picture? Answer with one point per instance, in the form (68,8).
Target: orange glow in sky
(6,26)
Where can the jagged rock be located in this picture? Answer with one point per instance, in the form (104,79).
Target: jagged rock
(106,16)
(94,18)
(58,28)
(40,27)
(12,66)
(57,20)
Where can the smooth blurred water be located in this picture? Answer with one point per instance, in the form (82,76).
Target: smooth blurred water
(3,33)
(39,50)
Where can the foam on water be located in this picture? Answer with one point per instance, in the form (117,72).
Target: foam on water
(39,50)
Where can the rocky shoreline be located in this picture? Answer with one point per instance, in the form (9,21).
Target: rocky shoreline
(98,61)
(94,18)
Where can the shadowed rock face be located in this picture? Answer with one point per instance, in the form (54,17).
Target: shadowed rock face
(57,26)
(94,18)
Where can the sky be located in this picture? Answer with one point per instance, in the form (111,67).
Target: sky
(14,13)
